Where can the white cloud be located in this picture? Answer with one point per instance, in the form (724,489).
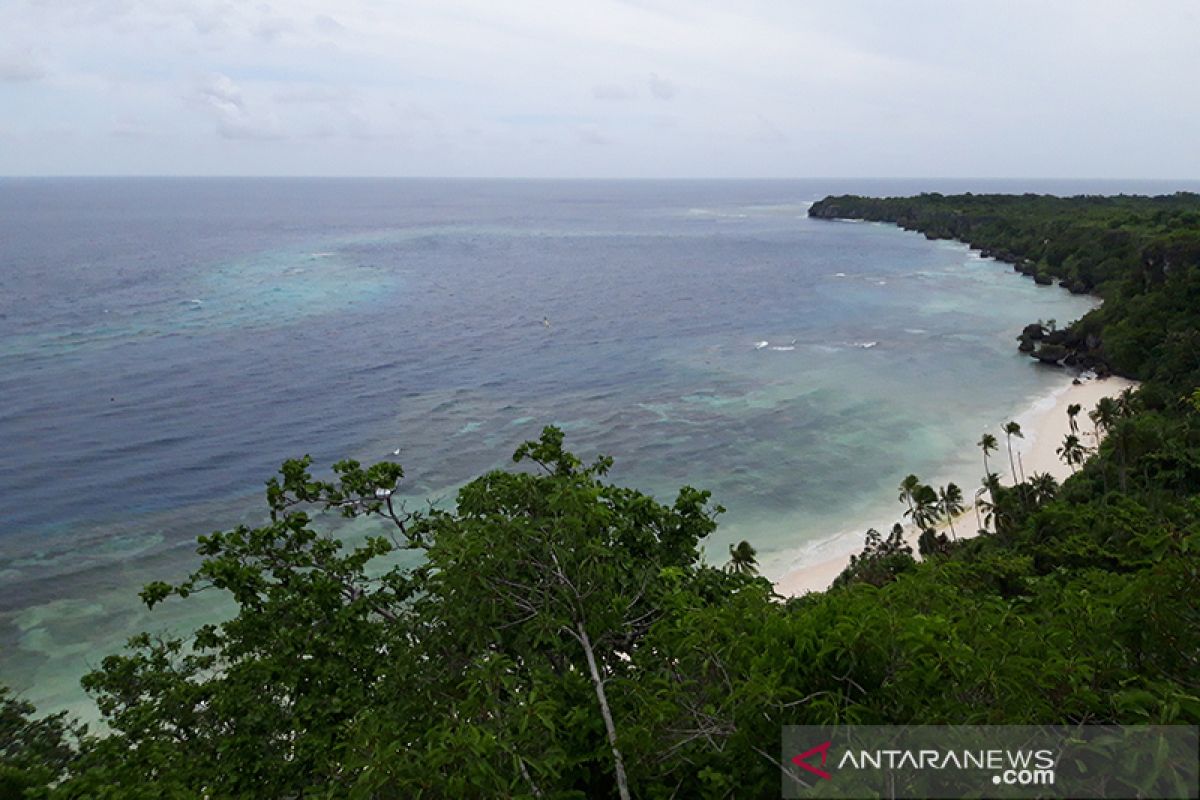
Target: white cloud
(611,91)
(590,133)
(996,87)
(661,88)
(20,68)
(235,119)
(327,24)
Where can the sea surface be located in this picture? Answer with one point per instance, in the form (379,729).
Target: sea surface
(166,343)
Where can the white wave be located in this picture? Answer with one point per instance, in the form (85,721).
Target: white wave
(784,347)
(866,345)
(839,274)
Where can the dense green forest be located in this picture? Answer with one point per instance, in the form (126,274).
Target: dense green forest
(564,638)
(1138,253)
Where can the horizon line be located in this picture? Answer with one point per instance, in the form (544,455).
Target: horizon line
(249,176)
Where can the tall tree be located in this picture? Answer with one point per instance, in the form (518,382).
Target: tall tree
(1012,429)
(908,489)
(1072,451)
(1072,412)
(987,443)
(950,502)
(743,559)
(1043,487)
(925,509)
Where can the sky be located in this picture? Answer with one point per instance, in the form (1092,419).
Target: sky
(601,88)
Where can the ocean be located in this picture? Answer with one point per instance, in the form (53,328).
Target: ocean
(166,343)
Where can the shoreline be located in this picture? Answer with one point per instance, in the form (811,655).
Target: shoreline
(1044,425)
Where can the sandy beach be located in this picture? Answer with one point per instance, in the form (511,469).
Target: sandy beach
(1044,426)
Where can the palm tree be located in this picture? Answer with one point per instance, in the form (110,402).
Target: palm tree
(950,503)
(1127,401)
(978,503)
(925,510)
(1012,429)
(742,559)
(908,490)
(1073,412)
(1104,416)
(1044,487)
(1072,451)
(987,443)
(1000,512)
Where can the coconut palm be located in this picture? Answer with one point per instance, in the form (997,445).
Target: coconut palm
(1012,429)
(950,503)
(1073,412)
(1072,451)
(925,509)
(908,489)
(742,559)
(978,504)
(1104,416)
(1043,487)
(1127,401)
(987,443)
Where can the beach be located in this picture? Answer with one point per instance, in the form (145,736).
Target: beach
(1044,426)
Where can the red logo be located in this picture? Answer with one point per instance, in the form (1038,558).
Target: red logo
(801,760)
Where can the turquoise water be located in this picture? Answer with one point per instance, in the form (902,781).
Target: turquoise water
(165,344)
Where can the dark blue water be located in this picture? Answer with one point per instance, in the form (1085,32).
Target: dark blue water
(164,344)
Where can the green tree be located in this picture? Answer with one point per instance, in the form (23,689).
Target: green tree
(950,504)
(908,489)
(743,559)
(1012,429)
(925,509)
(34,753)
(1072,451)
(987,443)
(1043,488)
(1072,412)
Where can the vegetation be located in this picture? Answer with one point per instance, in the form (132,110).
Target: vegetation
(564,638)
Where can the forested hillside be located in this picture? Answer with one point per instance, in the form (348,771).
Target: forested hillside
(1138,253)
(564,637)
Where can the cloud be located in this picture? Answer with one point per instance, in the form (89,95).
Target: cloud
(1095,78)
(327,24)
(767,132)
(271,26)
(661,88)
(611,92)
(591,134)
(20,68)
(235,120)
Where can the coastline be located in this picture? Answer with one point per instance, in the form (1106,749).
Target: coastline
(1044,425)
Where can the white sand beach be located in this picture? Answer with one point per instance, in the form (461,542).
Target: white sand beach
(1044,426)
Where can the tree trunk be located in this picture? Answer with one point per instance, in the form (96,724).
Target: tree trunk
(602,698)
